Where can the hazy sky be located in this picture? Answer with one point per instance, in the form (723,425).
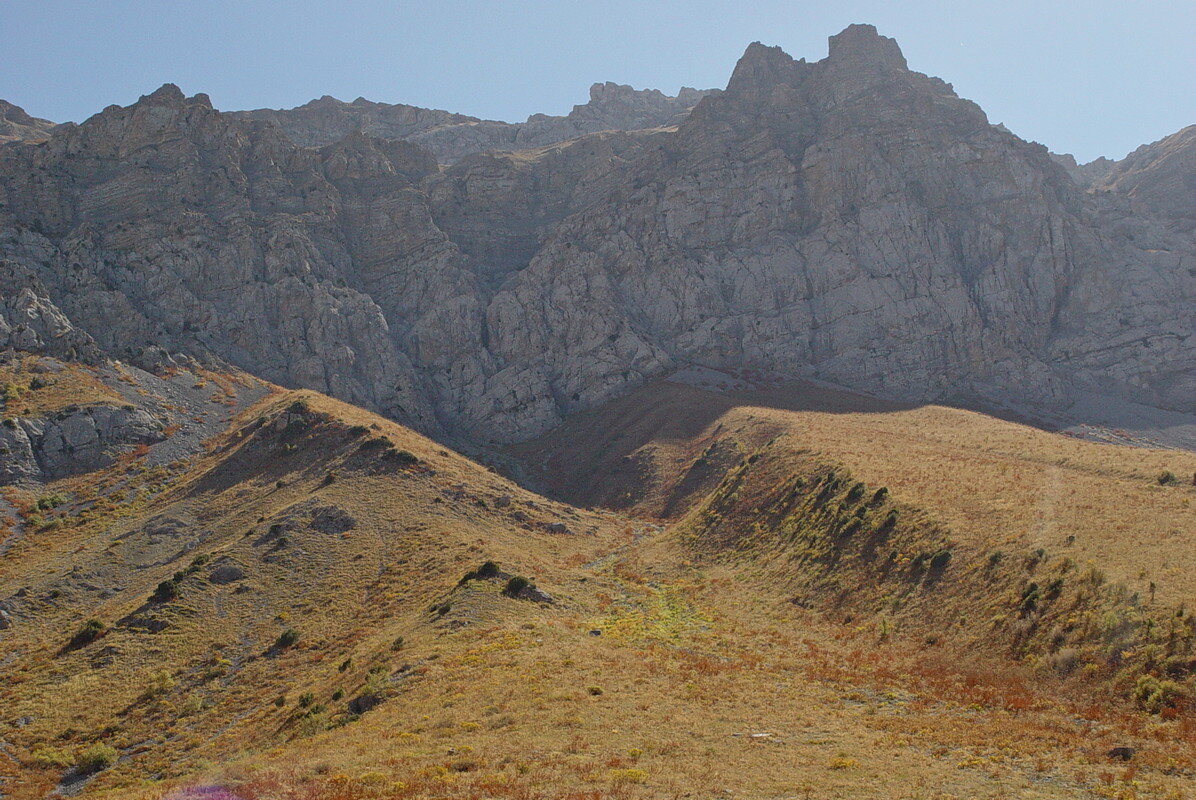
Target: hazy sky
(1091,78)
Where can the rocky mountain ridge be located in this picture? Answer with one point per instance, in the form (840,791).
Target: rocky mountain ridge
(848,220)
(451,137)
(18,126)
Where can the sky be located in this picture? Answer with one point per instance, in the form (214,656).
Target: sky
(1090,78)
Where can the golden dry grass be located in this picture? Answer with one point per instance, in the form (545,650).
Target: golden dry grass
(497,697)
(36,392)
(996,484)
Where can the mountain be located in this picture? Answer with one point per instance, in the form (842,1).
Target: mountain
(451,137)
(819,440)
(849,220)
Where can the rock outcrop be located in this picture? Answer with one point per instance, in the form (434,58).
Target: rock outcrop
(1159,179)
(451,137)
(18,126)
(30,322)
(1085,175)
(847,219)
(75,440)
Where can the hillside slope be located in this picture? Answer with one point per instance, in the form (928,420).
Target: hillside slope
(317,602)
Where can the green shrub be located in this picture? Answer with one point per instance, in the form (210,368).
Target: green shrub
(288,638)
(855,493)
(1031,597)
(306,699)
(375,690)
(91,630)
(1153,695)
(46,757)
(49,501)
(940,560)
(890,520)
(160,683)
(167,590)
(405,458)
(515,585)
(1167,478)
(397,644)
(880,496)
(488,570)
(97,757)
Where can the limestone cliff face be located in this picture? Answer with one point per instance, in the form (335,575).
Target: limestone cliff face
(847,219)
(451,137)
(859,222)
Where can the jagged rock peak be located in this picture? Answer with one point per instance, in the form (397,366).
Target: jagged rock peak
(761,66)
(860,46)
(167,93)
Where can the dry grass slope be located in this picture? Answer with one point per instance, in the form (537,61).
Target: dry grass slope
(306,610)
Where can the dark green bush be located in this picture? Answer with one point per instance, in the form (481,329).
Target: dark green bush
(91,630)
(288,638)
(487,571)
(1031,597)
(1167,478)
(167,590)
(515,585)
